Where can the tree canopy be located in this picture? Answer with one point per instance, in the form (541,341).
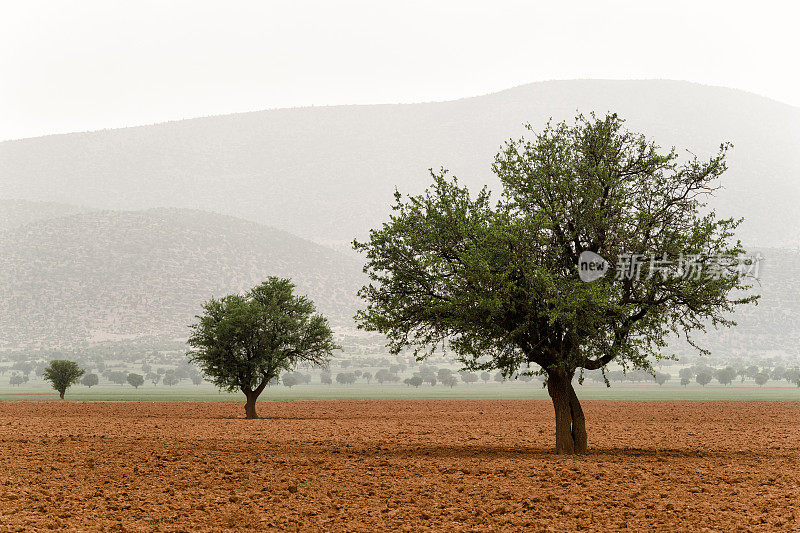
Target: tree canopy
(63,374)
(90,380)
(242,342)
(135,380)
(499,282)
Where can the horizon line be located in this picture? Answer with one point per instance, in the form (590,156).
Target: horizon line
(324,106)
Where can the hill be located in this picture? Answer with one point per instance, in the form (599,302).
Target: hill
(15,213)
(119,275)
(328,173)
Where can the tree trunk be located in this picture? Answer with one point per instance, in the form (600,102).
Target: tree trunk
(250,405)
(252,396)
(61,393)
(570,422)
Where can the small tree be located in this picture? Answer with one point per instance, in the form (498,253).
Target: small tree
(153,378)
(703,378)
(345,378)
(16,380)
(197,379)
(289,380)
(751,371)
(135,380)
(778,373)
(685,381)
(762,378)
(725,375)
(244,341)
(485,377)
(170,379)
(450,381)
(414,381)
(383,375)
(90,380)
(793,376)
(325,377)
(367,376)
(662,378)
(62,374)
(117,377)
(469,377)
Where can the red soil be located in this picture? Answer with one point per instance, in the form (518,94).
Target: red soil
(408,465)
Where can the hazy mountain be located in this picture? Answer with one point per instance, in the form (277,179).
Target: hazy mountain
(14,213)
(328,173)
(124,275)
(117,275)
(773,326)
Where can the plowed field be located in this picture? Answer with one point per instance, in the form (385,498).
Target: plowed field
(397,465)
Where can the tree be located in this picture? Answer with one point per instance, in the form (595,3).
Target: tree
(367,376)
(197,379)
(383,375)
(685,381)
(345,378)
(16,379)
(289,380)
(725,375)
(414,381)
(325,377)
(170,379)
(135,380)
(90,380)
(778,373)
(117,377)
(153,378)
(499,282)
(244,341)
(662,378)
(499,377)
(793,375)
(703,378)
(751,371)
(62,374)
(469,377)
(450,381)
(485,377)
(762,378)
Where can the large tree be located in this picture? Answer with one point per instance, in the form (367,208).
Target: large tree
(499,282)
(242,342)
(62,375)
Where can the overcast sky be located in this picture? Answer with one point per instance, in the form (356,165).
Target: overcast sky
(84,65)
